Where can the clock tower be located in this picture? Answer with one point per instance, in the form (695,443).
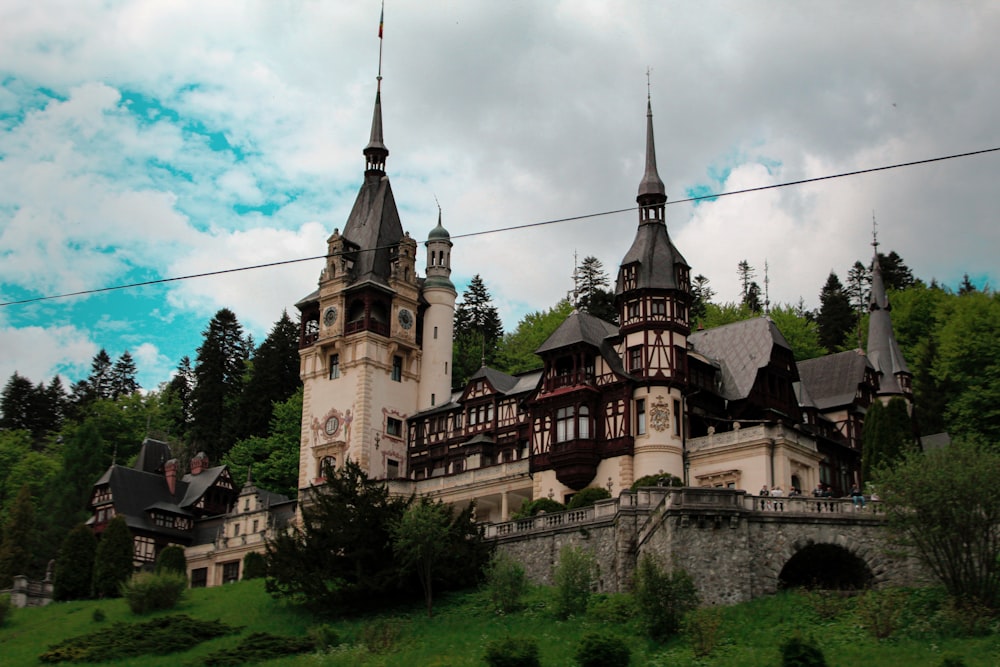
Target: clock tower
(363,332)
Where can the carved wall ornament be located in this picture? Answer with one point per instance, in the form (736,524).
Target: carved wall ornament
(659,415)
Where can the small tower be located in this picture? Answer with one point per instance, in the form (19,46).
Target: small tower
(439,321)
(894,375)
(653,296)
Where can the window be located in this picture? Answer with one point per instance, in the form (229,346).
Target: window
(564,424)
(457,466)
(640,416)
(659,307)
(435,333)
(334,366)
(633,310)
(583,422)
(326,466)
(236,530)
(256,525)
(635,358)
(199,577)
(677,417)
(394,427)
(230,572)
(391,468)
(397,369)
(432,399)
(246,505)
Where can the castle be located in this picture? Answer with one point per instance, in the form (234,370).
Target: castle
(726,407)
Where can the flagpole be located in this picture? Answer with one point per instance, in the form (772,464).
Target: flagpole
(381,22)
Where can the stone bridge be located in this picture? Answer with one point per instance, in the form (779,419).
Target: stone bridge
(735,546)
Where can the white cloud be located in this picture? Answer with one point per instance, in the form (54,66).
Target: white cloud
(39,353)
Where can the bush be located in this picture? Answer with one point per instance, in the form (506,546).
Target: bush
(662,479)
(574,579)
(381,635)
(75,565)
(511,652)
(506,582)
(533,507)
(663,599)
(702,630)
(587,497)
(146,592)
(951,661)
(98,616)
(4,608)
(172,559)
(602,650)
(254,566)
(615,608)
(800,651)
(113,561)
(257,647)
(880,612)
(323,637)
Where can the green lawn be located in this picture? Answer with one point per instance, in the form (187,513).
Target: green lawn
(748,636)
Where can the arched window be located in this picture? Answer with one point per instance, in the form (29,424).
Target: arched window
(583,423)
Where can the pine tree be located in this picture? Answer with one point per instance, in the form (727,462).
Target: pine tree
(176,399)
(752,298)
(701,296)
(746,275)
(123,382)
(478,332)
(274,376)
(16,555)
(895,273)
(836,317)
(113,560)
(75,565)
(219,375)
(99,383)
(16,404)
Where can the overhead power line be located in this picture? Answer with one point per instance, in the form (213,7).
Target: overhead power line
(513,227)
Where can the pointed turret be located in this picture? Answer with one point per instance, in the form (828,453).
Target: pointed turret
(651,190)
(883,350)
(376,152)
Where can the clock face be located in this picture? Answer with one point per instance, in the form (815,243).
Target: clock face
(332,424)
(405,318)
(330,316)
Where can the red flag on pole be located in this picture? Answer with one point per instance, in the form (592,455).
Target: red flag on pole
(381,20)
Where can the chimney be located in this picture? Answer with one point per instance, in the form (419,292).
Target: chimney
(199,463)
(170,472)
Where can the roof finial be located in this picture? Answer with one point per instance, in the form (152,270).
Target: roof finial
(376,152)
(767,290)
(874,232)
(649,94)
(652,194)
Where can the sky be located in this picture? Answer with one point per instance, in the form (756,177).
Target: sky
(150,139)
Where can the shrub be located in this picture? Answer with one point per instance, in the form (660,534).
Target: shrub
(113,561)
(533,507)
(381,635)
(98,616)
(701,627)
(662,479)
(574,579)
(506,582)
(880,612)
(951,661)
(323,637)
(146,592)
(4,608)
(963,618)
(75,565)
(171,559)
(602,650)
(587,497)
(512,652)
(254,566)
(798,651)
(257,647)
(662,599)
(614,608)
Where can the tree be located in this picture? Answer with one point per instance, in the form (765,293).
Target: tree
(99,383)
(887,436)
(592,295)
(172,559)
(896,275)
(123,382)
(176,399)
(274,376)
(339,558)
(752,298)
(800,331)
(219,373)
(420,540)
(945,504)
(16,404)
(517,351)
(274,458)
(663,597)
(478,331)
(75,565)
(746,274)
(701,296)
(857,291)
(574,578)
(967,286)
(113,561)
(836,317)
(18,535)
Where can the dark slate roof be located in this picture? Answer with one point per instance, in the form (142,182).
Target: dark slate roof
(657,258)
(832,381)
(312,297)
(134,492)
(740,349)
(374,227)
(152,455)
(501,382)
(578,327)
(883,350)
(197,485)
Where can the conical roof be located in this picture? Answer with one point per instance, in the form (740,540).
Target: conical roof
(883,349)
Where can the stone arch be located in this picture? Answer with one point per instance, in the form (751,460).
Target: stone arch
(826,565)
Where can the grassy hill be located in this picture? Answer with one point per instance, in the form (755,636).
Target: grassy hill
(749,634)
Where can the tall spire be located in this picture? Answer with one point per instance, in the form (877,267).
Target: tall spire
(652,196)
(883,349)
(376,152)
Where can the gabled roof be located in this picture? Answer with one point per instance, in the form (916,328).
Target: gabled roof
(578,327)
(197,485)
(740,349)
(501,382)
(832,381)
(134,492)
